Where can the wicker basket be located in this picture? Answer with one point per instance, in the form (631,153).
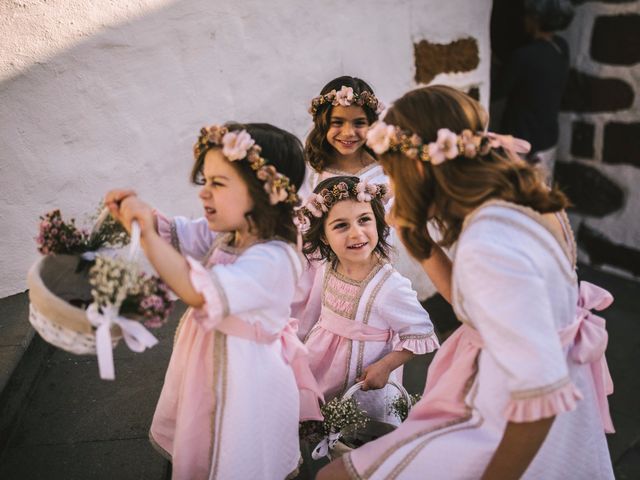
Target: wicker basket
(374,429)
(55,282)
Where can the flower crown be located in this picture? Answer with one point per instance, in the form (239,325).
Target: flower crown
(318,204)
(238,145)
(346,97)
(382,138)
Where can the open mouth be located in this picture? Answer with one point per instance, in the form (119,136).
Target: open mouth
(209,211)
(349,143)
(357,246)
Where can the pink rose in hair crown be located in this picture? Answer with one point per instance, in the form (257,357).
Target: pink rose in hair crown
(379,137)
(364,193)
(444,148)
(236,144)
(345,96)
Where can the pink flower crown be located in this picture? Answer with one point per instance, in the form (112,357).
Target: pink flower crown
(319,204)
(346,97)
(383,138)
(238,145)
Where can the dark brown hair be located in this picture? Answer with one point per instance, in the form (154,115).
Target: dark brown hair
(317,149)
(451,190)
(315,247)
(284,151)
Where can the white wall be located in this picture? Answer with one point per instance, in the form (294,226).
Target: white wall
(109,93)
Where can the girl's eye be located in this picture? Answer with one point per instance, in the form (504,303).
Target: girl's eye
(339,226)
(361,124)
(336,123)
(365,219)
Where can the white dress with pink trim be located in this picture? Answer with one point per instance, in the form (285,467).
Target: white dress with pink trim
(229,407)
(529,348)
(360,322)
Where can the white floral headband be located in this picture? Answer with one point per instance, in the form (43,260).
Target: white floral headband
(382,138)
(238,145)
(346,97)
(318,204)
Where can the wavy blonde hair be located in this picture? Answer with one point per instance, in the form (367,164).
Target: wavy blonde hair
(448,192)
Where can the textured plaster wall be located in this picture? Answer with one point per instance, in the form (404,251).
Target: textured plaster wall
(622,226)
(107,93)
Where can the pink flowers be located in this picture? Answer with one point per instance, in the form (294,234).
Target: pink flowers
(57,236)
(344,97)
(379,137)
(235,145)
(444,148)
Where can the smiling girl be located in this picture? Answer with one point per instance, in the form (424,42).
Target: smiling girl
(371,322)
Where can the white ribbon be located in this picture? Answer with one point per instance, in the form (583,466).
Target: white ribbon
(135,336)
(327,444)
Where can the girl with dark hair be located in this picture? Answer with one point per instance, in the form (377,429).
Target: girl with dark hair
(233,346)
(342,115)
(370,322)
(520,389)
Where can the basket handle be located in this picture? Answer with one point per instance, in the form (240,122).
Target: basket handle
(358,386)
(134,244)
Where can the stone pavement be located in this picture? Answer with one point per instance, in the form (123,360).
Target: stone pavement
(58,420)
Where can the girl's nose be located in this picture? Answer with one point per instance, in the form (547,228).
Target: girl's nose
(204,193)
(347,128)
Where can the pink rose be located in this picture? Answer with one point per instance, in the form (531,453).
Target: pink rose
(363,193)
(344,97)
(379,137)
(444,148)
(469,143)
(235,145)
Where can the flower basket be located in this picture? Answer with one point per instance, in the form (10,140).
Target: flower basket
(348,437)
(64,310)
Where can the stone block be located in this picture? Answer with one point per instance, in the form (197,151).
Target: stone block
(615,39)
(621,143)
(603,251)
(590,192)
(434,58)
(587,93)
(582,139)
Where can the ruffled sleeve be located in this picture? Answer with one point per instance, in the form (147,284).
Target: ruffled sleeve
(409,321)
(543,403)
(503,295)
(189,237)
(259,286)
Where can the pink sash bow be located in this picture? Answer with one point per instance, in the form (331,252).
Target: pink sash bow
(294,352)
(456,361)
(352,330)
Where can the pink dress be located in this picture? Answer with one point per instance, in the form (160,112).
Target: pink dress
(529,348)
(360,322)
(229,407)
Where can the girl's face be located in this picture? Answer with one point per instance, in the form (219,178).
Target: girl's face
(225,195)
(347,129)
(350,230)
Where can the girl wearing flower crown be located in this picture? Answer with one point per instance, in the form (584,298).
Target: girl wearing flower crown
(235,358)
(342,115)
(371,322)
(520,390)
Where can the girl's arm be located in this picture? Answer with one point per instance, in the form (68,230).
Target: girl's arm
(171,266)
(377,374)
(519,445)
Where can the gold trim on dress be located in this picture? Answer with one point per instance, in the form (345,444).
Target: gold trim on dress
(539,391)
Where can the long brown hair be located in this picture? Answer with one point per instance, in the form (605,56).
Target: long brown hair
(317,149)
(448,192)
(284,151)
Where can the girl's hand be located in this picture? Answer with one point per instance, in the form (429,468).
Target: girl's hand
(375,376)
(126,207)
(113,199)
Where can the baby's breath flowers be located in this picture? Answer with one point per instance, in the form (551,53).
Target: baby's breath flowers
(340,416)
(399,407)
(118,282)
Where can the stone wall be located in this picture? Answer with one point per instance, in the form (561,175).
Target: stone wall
(600,133)
(96,94)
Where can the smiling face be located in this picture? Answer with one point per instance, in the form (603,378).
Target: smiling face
(348,128)
(224,195)
(350,230)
